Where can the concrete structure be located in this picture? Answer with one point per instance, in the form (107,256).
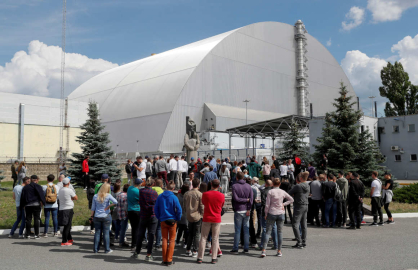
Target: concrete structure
(30,127)
(398,140)
(317,123)
(144,104)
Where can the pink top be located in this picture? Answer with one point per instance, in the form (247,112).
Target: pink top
(274,201)
(266,169)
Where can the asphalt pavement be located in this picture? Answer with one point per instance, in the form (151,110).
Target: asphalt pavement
(389,247)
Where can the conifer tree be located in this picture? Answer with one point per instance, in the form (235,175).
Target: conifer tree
(293,144)
(94,142)
(347,148)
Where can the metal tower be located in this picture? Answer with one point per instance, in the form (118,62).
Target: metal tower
(301,78)
(62,103)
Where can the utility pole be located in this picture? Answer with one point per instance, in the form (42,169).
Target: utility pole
(62,101)
(246,122)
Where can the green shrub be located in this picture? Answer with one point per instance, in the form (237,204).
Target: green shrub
(407,194)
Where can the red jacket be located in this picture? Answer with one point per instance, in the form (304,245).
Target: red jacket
(85,166)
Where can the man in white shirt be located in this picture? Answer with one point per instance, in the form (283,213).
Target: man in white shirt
(283,170)
(140,167)
(174,167)
(375,195)
(182,172)
(60,185)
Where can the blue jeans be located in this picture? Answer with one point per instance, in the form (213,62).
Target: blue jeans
(116,224)
(264,230)
(158,235)
(102,224)
(123,227)
(330,205)
(274,220)
(20,217)
(239,220)
(48,212)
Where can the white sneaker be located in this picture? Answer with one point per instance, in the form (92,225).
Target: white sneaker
(92,232)
(58,233)
(10,236)
(184,246)
(194,254)
(55,234)
(208,245)
(20,236)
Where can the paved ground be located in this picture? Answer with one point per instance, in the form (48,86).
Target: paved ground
(389,247)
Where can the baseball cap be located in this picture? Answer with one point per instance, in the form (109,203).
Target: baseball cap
(105,176)
(226,159)
(192,158)
(66,181)
(138,181)
(224,163)
(146,156)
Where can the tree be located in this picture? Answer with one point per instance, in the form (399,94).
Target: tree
(293,144)
(402,94)
(347,148)
(94,142)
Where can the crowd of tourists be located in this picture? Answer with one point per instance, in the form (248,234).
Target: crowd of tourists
(174,204)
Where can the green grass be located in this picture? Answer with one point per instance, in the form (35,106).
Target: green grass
(397,207)
(8,207)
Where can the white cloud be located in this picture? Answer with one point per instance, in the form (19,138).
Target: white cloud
(364,71)
(407,50)
(329,42)
(38,72)
(389,10)
(354,18)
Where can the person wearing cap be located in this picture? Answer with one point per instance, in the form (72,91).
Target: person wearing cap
(105,179)
(191,165)
(225,176)
(133,210)
(60,185)
(32,199)
(342,183)
(66,197)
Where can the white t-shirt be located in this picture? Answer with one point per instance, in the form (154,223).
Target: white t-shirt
(283,170)
(53,205)
(65,194)
(174,165)
(376,184)
(141,175)
(184,167)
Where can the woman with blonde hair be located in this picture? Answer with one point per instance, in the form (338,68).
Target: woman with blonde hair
(21,172)
(102,202)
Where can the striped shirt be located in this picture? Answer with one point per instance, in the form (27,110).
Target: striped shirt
(122,206)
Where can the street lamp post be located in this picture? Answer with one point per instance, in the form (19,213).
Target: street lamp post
(137,141)
(246,122)
(117,150)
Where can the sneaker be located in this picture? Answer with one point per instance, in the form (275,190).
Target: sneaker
(184,246)
(58,233)
(71,241)
(245,251)
(220,253)
(45,235)
(253,245)
(208,245)
(145,241)
(380,223)
(297,246)
(188,254)
(110,251)
(263,254)
(363,222)
(123,245)
(157,247)
(10,236)
(178,244)
(194,254)
(149,258)
(20,236)
(279,254)
(66,244)
(234,251)
(135,256)
(304,245)
(390,222)
(92,232)
(55,234)
(36,237)
(373,224)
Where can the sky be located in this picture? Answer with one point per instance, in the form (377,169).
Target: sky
(101,34)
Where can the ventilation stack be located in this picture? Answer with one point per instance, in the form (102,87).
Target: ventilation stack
(301,78)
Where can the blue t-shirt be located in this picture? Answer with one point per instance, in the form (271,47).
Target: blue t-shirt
(133,199)
(18,192)
(98,207)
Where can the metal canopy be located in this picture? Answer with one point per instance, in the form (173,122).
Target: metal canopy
(269,129)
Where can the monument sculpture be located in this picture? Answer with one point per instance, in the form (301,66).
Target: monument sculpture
(191,139)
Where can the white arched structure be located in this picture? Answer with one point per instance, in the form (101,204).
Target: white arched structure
(148,100)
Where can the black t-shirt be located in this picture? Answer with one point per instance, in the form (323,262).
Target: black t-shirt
(391,183)
(328,190)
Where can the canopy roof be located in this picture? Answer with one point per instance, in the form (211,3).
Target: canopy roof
(271,128)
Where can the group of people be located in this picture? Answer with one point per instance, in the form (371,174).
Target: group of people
(167,211)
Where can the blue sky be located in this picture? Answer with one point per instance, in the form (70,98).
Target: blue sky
(126,30)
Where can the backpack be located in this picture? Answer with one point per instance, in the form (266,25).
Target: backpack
(338,194)
(51,194)
(195,170)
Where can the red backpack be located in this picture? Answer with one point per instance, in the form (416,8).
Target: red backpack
(298,161)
